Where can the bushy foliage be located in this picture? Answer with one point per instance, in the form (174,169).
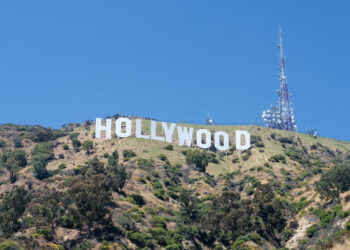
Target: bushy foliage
(75,142)
(47,209)
(278,158)
(128,154)
(146,163)
(231,216)
(13,161)
(334,182)
(113,158)
(41,154)
(17,142)
(138,199)
(91,198)
(12,207)
(311,230)
(200,158)
(169,147)
(88,145)
(41,134)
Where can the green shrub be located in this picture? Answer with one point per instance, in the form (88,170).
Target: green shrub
(169,147)
(145,163)
(113,158)
(44,231)
(278,158)
(65,147)
(2,143)
(62,166)
(88,145)
(17,142)
(9,245)
(287,233)
(311,230)
(200,158)
(76,145)
(334,182)
(174,247)
(162,157)
(246,155)
(128,154)
(141,240)
(249,190)
(286,140)
(160,194)
(235,160)
(105,155)
(41,134)
(41,154)
(138,199)
(347,225)
(158,221)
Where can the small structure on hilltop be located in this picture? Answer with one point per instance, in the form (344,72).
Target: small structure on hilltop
(209,121)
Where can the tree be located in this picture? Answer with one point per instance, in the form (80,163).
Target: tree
(91,199)
(189,206)
(41,154)
(334,182)
(117,177)
(47,209)
(113,158)
(75,142)
(12,207)
(17,142)
(229,217)
(200,158)
(40,170)
(13,161)
(88,145)
(12,166)
(76,145)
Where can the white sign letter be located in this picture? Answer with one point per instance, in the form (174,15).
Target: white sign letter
(118,127)
(106,128)
(207,138)
(184,136)
(225,146)
(168,131)
(239,145)
(154,132)
(138,130)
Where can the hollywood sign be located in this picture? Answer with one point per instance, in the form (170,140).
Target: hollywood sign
(123,127)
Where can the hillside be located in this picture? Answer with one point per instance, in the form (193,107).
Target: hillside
(64,189)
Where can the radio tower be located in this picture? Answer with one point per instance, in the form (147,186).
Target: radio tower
(281,117)
(285,106)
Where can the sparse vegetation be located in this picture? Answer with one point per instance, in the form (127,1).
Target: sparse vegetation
(278,158)
(128,154)
(88,145)
(160,198)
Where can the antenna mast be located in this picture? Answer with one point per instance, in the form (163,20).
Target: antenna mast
(286,112)
(281,117)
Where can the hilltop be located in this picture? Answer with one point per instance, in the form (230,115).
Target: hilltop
(65,189)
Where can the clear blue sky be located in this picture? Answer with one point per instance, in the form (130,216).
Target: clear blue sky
(68,61)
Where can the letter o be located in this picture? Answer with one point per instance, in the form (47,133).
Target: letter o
(118,127)
(225,146)
(207,138)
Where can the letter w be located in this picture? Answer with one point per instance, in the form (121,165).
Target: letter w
(185,136)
